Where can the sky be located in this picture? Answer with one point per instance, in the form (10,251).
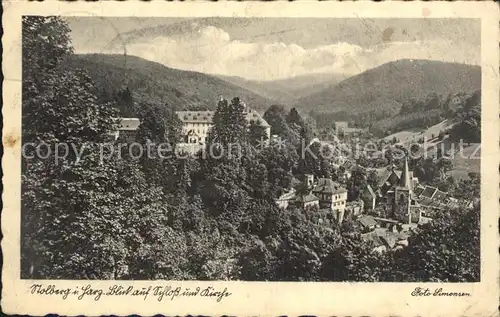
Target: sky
(278,48)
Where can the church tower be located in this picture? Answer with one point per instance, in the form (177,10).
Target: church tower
(403,196)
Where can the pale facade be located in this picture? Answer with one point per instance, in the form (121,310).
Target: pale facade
(197,124)
(332,196)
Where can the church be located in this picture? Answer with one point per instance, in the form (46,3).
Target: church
(402,198)
(402,204)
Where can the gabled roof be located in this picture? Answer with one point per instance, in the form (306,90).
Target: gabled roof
(287,196)
(428,192)
(389,239)
(386,174)
(369,190)
(373,237)
(207,117)
(306,198)
(418,190)
(439,195)
(367,221)
(196,116)
(328,186)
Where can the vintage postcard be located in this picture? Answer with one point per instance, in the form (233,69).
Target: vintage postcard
(248,159)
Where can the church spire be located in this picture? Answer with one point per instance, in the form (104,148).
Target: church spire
(405,181)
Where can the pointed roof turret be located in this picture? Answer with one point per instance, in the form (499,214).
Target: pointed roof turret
(405,180)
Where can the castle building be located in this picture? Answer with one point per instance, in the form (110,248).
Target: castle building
(197,124)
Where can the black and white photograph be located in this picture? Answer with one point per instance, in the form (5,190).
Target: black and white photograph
(216,149)
(230,159)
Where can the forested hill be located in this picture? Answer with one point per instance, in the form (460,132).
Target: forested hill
(156,83)
(386,88)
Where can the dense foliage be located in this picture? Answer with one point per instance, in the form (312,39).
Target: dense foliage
(152,82)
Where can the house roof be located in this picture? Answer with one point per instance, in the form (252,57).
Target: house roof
(418,190)
(439,195)
(306,198)
(389,239)
(207,117)
(369,190)
(428,192)
(373,237)
(384,175)
(366,221)
(287,196)
(342,124)
(328,186)
(129,124)
(196,116)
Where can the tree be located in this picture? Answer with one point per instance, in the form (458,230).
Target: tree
(469,128)
(82,217)
(45,44)
(256,133)
(159,124)
(445,250)
(317,160)
(159,132)
(256,262)
(229,124)
(372,179)
(294,117)
(125,102)
(276,117)
(357,183)
(354,259)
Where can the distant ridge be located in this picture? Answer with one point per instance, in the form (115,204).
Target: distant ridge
(387,87)
(287,90)
(154,82)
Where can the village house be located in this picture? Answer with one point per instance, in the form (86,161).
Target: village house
(354,208)
(324,194)
(331,196)
(306,201)
(342,128)
(127,128)
(382,239)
